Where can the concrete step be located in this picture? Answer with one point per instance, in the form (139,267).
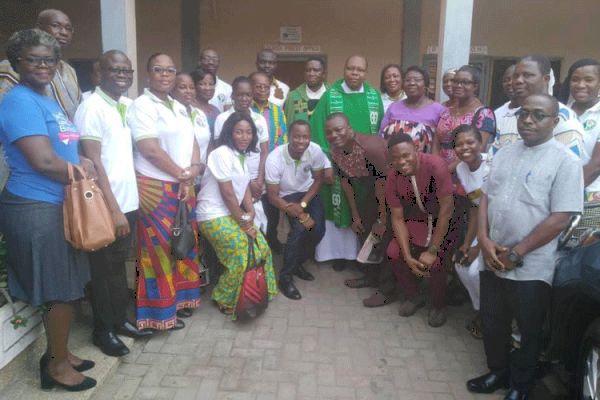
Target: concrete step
(20,379)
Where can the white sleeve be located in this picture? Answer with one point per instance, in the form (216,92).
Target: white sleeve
(142,120)
(262,129)
(319,159)
(89,122)
(273,170)
(219,125)
(220,165)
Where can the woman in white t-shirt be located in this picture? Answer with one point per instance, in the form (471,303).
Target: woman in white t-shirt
(472,171)
(225,211)
(167,160)
(584,84)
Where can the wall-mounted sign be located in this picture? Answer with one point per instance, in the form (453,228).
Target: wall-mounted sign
(290,34)
(294,48)
(481,49)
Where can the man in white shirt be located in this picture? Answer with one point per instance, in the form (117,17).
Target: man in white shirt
(266,61)
(209,61)
(106,140)
(294,173)
(532,76)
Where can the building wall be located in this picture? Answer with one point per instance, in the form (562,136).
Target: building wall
(239,28)
(567,29)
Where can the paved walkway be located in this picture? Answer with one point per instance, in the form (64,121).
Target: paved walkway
(325,346)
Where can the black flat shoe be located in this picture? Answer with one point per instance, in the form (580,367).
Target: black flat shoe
(84,366)
(48,382)
(129,329)
(514,394)
(339,265)
(290,290)
(179,324)
(109,343)
(304,274)
(184,313)
(489,382)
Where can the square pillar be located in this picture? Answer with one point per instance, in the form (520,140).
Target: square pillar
(454,39)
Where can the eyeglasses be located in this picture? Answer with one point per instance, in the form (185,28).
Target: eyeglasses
(462,83)
(162,71)
(536,115)
(38,61)
(118,71)
(58,26)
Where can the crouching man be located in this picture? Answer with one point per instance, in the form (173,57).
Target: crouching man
(294,173)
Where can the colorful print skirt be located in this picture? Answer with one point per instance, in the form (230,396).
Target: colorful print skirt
(230,243)
(164,285)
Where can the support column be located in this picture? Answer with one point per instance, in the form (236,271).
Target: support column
(454,39)
(411,33)
(119,32)
(190,34)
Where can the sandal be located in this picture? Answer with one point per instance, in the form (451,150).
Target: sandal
(474,327)
(357,283)
(225,310)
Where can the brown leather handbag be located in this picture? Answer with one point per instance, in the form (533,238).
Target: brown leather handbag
(87,219)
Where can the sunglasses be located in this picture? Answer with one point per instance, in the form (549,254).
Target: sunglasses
(536,115)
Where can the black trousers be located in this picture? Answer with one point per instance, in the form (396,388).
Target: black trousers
(109,294)
(272,214)
(501,301)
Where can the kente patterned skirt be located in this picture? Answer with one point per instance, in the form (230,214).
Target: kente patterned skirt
(164,285)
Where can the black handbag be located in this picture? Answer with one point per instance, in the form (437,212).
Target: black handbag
(183,237)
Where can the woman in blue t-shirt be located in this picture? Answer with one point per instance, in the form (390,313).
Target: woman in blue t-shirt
(39,141)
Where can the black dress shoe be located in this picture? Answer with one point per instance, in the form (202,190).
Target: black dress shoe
(184,313)
(489,382)
(48,382)
(515,394)
(129,329)
(84,366)
(179,324)
(110,344)
(304,274)
(289,290)
(339,265)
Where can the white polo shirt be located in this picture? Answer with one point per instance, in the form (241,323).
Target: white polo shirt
(103,119)
(252,158)
(201,132)
(222,97)
(294,176)
(224,165)
(590,120)
(568,131)
(169,122)
(285,89)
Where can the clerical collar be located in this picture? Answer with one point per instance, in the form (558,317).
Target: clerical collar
(315,95)
(348,90)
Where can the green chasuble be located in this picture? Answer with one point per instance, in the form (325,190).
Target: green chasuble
(364,111)
(296,105)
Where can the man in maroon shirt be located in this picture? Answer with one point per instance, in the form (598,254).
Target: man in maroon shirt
(420,226)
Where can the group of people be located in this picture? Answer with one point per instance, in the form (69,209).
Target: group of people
(439,190)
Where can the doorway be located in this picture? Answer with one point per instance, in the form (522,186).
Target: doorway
(290,68)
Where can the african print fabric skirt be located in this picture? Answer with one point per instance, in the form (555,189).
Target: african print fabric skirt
(164,285)
(230,243)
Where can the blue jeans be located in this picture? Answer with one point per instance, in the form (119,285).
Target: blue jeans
(300,242)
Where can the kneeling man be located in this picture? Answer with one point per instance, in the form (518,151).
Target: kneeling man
(294,173)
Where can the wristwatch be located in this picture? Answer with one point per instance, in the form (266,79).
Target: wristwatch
(303,205)
(433,249)
(515,258)
(245,218)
